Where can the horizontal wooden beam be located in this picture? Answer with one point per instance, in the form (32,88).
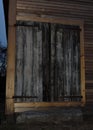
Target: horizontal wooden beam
(21,107)
(25,97)
(49,19)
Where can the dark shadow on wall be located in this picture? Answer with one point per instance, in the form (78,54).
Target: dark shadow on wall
(3,53)
(2,78)
(2,88)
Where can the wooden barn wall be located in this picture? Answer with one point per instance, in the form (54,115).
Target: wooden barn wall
(77,9)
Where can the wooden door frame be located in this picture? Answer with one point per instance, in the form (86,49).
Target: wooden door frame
(10,74)
(11,106)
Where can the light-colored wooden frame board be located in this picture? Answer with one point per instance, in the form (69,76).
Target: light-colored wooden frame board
(10,74)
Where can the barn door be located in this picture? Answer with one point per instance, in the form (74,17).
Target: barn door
(47,62)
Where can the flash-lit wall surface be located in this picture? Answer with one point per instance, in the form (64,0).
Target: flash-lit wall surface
(3,40)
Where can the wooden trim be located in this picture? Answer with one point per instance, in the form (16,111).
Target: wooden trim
(21,107)
(82,64)
(12,12)
(65,21)
(10,75)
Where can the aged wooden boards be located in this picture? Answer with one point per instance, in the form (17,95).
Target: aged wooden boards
(28,63)
(77,9)
(51,12)
(47,62)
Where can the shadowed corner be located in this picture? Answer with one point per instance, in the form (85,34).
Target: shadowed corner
(3,50)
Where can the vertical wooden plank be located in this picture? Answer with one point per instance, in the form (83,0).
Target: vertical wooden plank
(12,13)
(59,63)
(74,58)
(68,60)
(31,58)
(27,76)
(82,56)
(10,79)
(75,63)
(70,43)
(55,66)
(19,62)
(53,41)
(77,52)
(39,66)
(46,64)
(35,62)
(71,63)
(32,63)
(66,64)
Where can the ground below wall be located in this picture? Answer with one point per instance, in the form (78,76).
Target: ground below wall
(63,126)
(51,119)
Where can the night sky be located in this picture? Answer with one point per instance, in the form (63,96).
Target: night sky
(3,40)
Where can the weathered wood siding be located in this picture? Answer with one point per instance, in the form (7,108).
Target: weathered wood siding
(77,9)
(29,62)
(47,62)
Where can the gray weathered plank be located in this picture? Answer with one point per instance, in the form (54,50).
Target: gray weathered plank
(48,62)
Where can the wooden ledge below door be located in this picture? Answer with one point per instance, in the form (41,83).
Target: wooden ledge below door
(21,107)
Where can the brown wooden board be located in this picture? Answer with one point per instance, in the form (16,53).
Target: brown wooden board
(10,80)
